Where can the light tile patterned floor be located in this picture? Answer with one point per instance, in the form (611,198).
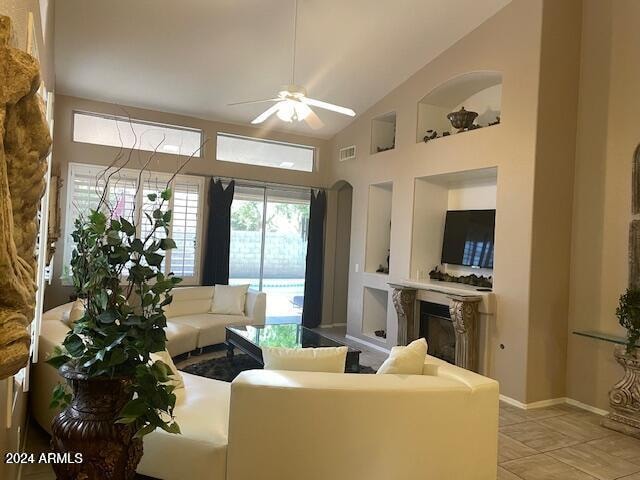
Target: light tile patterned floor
(555,443)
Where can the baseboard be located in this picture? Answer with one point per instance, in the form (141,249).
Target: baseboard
(332,325)
(368,344)
(584,406)
(551,402)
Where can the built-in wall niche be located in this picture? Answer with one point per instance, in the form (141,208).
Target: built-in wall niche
(383,133)
(377,249)
(433,196)
(480,92)
(374,312)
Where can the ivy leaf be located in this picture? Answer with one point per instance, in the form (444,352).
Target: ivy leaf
(166,194)
(127,227)
(74,345)
(134,408)
(107,317)
(167,244)
(152,197)
(154,259)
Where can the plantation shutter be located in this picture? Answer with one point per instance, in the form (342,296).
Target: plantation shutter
(126,200)
(184,225)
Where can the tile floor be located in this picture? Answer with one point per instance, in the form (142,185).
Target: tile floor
(555,443)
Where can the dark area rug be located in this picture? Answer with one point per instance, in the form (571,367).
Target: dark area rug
(222,369)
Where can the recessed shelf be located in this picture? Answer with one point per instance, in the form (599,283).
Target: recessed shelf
(378,227)
(374,311)
(383,133)
(433,196)
(480,92)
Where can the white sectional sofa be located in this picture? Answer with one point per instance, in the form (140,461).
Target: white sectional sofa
(283,425)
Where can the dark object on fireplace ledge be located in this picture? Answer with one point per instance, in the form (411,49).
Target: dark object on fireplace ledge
(381,333)
(473,279)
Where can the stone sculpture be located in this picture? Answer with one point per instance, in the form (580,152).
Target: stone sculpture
(24,145)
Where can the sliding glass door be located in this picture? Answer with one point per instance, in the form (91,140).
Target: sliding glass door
(269,246)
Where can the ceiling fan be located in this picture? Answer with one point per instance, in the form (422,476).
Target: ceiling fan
(292,102)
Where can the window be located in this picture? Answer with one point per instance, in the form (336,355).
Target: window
(114,131)
(269,227)
(265,153)
(87,181)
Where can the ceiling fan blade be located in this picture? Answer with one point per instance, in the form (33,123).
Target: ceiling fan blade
(253,101)
(328,106)
(313,120)
(266,114)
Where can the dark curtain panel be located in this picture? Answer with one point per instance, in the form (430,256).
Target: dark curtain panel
(216,250)
(312,308)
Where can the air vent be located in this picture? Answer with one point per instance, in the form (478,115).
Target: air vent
(347,153)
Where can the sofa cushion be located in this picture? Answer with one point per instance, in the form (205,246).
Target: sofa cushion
(229,299)
(181,338)
(210,326)
(323,359)
(202,412)
(407,360)
(75,314)
(188,300)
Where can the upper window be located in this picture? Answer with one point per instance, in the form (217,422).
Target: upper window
(114,131)
(265,153)
(129,200)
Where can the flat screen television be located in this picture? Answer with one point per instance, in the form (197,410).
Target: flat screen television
(468,238)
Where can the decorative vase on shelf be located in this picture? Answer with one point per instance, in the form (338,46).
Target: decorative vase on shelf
(462,119)
(88,426)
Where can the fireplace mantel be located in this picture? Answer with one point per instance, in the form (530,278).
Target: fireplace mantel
(437,292)
(465,302)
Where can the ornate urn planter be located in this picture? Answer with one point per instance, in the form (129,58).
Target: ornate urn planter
(87,427)
(624,397)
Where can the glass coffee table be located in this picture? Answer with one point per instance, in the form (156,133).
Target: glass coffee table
(251,338)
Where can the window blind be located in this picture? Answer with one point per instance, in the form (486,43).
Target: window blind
(85,186)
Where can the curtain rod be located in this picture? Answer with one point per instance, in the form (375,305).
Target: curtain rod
(244,182)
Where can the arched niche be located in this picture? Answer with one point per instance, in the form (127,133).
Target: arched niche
(480,92)
(344,198)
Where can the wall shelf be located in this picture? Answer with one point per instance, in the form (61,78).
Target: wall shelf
(378,227)
(383,133)
(374,311)
(480,92)
(605,337)
(433,196)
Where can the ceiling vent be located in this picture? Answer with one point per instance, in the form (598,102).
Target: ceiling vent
(347,153)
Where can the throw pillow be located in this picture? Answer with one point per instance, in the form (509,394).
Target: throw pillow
(75,314)
(229,299)
(407,360)
(175,378)
(323,359)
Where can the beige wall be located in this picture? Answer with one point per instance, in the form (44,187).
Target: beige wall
(510,146)
(65,151)
(553,182)
(12,437)
(607,136)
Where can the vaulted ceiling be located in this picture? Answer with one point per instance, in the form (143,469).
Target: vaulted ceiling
(193,57)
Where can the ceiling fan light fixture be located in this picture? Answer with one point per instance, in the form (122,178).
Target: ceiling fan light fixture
(302,110)
(285,111)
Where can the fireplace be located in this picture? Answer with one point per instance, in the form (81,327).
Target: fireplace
(436,326)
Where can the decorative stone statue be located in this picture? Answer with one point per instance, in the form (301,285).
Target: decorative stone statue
(24,144)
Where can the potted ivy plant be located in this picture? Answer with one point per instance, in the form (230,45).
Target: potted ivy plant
(118,393)
(628,313)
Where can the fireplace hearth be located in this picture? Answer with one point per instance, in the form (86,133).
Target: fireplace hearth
(436,326)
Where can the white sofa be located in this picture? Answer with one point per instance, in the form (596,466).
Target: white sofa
(318,426)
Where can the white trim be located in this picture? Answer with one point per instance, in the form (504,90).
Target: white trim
(368,344)
(584,406)
(332,325)
(551,402)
